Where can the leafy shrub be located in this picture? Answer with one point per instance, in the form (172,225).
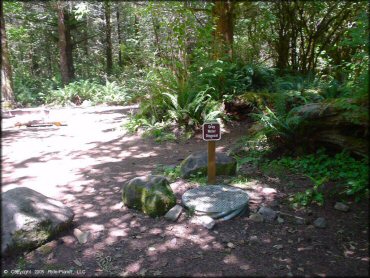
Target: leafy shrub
(170,172)
(171,99)
(352,174)
(281,130)
(31,91)
(90,90)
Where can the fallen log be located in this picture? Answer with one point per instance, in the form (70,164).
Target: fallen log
(39,124)
(357,146)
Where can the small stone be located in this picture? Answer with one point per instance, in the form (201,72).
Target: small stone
(253,239)
(299,220)
(173,241)
(320,223)
(230,245)
(205,221)
(301,269)
(290,274)
(268,214)
(151,248)
(244,267)
(310,227)
(278,246)
(342,207)
(174,213)
(280,220)
(256,217)
(77,262)
(51,256)
(82,237)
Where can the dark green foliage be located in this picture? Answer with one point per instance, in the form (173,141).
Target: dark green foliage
(350,173)
(33,92)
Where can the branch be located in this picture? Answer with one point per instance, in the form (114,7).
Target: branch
(200,22)
(85,39)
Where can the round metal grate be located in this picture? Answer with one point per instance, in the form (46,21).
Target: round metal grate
(215,198)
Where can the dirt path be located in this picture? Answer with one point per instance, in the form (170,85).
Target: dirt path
(85,164)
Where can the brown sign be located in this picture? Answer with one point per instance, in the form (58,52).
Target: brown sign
(211,132)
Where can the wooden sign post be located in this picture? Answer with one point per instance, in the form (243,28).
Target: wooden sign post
(211,133)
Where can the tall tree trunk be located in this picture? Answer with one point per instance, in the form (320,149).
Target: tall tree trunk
(65,47)
(86,37)
(223,37)
(120,61)
(108,31)
(69,47)
(6,70)
(284,35)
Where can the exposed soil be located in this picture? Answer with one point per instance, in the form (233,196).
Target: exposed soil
(85,164)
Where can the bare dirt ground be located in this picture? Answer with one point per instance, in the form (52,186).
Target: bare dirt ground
(85,164)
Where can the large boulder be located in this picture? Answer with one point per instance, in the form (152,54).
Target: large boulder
(328,123)
(30,219)
(198,161)
(150,194)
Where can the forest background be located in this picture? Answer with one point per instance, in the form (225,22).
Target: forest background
(298,69)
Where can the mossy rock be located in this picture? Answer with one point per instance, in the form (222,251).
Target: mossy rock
(197,163)
(31,219)
(151,195)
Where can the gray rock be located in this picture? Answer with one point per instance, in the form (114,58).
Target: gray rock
(342,207)
(278,246)
(299,220)
(280,220)
(256,217)
(174,213)
(82,237)
(230,245)
(268,214)
(197,163)
(320,223)
(205,221)
(253,239)
(150,194)
(30,219)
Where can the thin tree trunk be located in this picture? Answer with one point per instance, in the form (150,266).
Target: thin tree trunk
(224,33)
(86,37)
(108,31)
(120,61)
(156,36)
(64,69)
(6,70)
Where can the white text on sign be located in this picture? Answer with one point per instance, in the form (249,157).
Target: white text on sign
(211,132)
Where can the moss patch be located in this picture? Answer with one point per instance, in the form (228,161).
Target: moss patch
(153,196)
(30,237)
